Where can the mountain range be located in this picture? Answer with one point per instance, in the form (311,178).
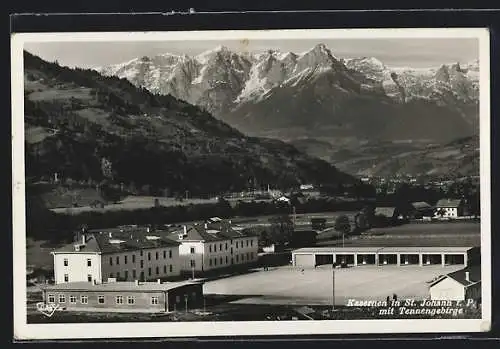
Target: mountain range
(317,97)
(86,126)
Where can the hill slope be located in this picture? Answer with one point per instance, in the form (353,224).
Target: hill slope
(86,126)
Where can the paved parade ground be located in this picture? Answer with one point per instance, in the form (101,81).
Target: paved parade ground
(289,285)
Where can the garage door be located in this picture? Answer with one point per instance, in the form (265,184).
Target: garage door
(304,260)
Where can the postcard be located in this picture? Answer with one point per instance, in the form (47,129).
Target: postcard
(249,183)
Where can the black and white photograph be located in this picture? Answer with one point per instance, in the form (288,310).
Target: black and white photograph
(251,182)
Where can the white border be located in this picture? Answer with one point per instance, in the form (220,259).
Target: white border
(24,331)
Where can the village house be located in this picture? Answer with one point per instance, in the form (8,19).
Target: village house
(126,257)
(420,209)
(125,296)
(449,208)
(460,285)
(215,245)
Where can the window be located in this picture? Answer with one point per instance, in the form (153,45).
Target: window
(142,253)
(247,243)
(215,261)
(226,246)
(157,270)
(221,261)
(192,249)
(193,263)
(164,269)
(119,299)
(209,262)
(89,278)
(130,300)
(110,260)
(210,248)
(84,299)
(156,255)
(65,262)
(117,260)
(134,273)
(72,299)
(62,298)
(215,248)
(142,263)
(251,242)
(66,277)
(169,253)
(226,260)
(89,262)
(126,275)
(100,299)
(242,257)
(149,271)
(142,275)
(51,298)
(248,256)
(220,247)
(154,300)
(133,258)
(164,254)
(171,268)
(149,256)
(126,260)
(118,275)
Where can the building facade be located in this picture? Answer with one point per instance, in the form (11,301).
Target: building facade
(101,256)
(154,297)
(205,248)
(449,208)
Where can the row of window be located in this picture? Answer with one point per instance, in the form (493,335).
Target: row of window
(150,272)
(125,258)
(100,299)
(66,262)
(154,300)
(249,256)
(238,244)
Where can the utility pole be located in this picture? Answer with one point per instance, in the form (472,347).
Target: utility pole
(186,301)
(333,286)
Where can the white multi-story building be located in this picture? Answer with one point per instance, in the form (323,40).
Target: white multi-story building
(100,256)
(215,246)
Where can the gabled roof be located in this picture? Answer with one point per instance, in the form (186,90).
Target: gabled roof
(459,276)
(448,203)
(213,232)
(385,211)
(102,243)
(421,205)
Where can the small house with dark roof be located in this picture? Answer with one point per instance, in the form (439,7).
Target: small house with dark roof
(385,215)
(420,209)
(117,253)
(461,285)
(213,246)
(449,208)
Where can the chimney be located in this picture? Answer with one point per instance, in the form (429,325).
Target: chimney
(158,281)
(83,239)
(185,230)
(147,229)
(467,276)
(137,282)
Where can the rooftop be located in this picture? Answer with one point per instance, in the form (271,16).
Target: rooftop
(118,286)
(383,249)
(219,231)
(459,276)
(106,242)
(448,203)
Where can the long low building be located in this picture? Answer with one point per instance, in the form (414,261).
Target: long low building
(124,296)
(314,256)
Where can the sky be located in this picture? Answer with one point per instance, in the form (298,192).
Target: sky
(410,52)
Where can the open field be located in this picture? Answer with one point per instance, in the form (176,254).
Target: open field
(288,285)
(433,228)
